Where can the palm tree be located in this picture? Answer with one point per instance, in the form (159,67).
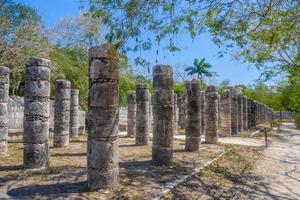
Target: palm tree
(201,69)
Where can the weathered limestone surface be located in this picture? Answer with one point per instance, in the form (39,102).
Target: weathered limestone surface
(249,110)
(62,113)
(193,121)
(225,113)
(182,110)
(103,148)
(202,108)
(142,115)
(245,113)
(36,113)
(163,130)
(234,111)
(240,113)
(175,111)
(74,113)
(4,94)
(131,114)
(211,111)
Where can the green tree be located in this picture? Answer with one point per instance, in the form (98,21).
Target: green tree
(200,68)
(266,32)
(21,35)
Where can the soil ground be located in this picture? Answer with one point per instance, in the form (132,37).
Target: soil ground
(252,173)
(66,176)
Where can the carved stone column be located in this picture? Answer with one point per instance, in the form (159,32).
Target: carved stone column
(62,113)
(36,113)
(103,119)
(225,113)
(193,122)
(4,95)
(74,113)
(211,132)
(131,114)
(163,130)
(142,115)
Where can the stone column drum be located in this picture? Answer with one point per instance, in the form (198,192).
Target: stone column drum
(36,113)
(74,113)
(193,121)
(142,115)
(103,118)
(240,113)
(211,110)
(163,130)
(225,113)
(202,108)
(182,111)
(4,94)
(249,106)
(131,114)
(245,113)
(234,111)
(62,113)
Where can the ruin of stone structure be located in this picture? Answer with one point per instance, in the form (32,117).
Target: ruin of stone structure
(245,112)
(240,113)
(163,129)
(142,115)
(131,114)
(211,114)
(225,113)
(202,108)
(234,111)
(36,113)
(62,113)
(4,94)
(74,113)
(193,121)
(102,144)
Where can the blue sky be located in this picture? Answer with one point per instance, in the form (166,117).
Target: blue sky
(226,67)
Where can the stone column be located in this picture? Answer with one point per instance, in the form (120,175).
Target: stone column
(225,113)
(193,121)
(142,115)
(182,111)
(240,113)
(163,130)
(74,113)
(36,113)
(234,111)
(62,113)
(4,95)
(131,114)
(245,113)
(249,104)
(202,108)
(175,112)
(103,119)
(211,110)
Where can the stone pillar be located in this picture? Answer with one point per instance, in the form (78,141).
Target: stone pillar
(193,120)
(225,113)
(254,113)
(62,113)
(142,115)
(202,109)
(182,111)
(234,111)
(211,110)
(245,113)
(131,114)
(175,112)
(163,130)
(240,113)
(74,113)
(103,118)
(249,110)
(36,113)
(4,95)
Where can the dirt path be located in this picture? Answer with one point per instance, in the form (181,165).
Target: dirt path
(277,176)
